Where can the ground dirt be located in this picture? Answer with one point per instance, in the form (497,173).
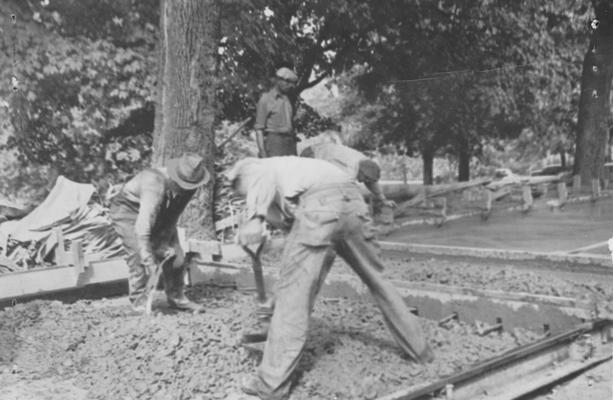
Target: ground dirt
(102,350)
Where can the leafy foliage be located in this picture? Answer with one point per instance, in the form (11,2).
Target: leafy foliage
(76,83)
(508,63)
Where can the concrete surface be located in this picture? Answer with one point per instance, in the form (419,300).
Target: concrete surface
(576,225)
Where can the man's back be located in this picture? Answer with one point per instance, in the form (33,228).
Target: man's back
(344,157)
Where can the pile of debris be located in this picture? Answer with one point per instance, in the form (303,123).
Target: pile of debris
(67,214)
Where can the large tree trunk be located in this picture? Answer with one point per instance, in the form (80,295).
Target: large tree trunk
(186,108)
(594,101)
(427,156)
(464,163)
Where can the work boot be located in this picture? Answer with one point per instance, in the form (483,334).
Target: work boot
(185,304)
(253,385)
(427,356)
(138,308)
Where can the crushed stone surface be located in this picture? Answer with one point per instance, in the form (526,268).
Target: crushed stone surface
(498,277)
(107,351)
(483,274)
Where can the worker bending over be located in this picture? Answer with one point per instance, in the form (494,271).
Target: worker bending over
(329,216)
(145,214)
(355,163)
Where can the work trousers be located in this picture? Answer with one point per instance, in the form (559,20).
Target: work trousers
(280,144)
(123,214)
(329,220)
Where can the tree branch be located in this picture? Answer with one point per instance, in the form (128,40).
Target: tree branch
(315,81)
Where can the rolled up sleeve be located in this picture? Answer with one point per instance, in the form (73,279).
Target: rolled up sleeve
(261,114)
(261,194)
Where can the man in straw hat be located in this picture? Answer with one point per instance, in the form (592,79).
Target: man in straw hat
(145,213)
(273,119)
(329,217)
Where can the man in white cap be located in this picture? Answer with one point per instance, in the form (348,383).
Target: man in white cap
(145,214)
(329,217)
(273,118)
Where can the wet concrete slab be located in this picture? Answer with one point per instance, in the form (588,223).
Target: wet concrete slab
(576,225)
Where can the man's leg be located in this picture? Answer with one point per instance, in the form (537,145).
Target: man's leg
(174,281)
(362,256)
(123,221)
(303,270)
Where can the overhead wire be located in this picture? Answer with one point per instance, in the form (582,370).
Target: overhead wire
(447,74)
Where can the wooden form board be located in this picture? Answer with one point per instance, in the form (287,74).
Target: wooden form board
(48,280)
(82,271)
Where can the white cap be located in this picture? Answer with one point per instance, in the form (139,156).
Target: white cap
(287,74)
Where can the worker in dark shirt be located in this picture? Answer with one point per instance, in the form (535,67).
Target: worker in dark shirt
(145,214)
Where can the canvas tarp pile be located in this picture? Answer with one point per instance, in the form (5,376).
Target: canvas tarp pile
(31,241)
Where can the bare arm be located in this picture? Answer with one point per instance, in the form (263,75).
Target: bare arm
(375,189)
(261,115)
(259,139)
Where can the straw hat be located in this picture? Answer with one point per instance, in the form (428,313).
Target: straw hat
(188,171)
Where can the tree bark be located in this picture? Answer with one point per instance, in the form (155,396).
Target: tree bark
(464,163)
(186,108)
(594,103)
(427,156)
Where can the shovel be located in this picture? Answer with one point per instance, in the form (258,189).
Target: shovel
(153,281)
(256,265)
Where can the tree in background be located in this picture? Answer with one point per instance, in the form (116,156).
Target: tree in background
(460,73)
(594,104)
(186,107)
(83,68)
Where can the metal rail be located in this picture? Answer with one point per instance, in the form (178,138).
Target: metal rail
(523,370)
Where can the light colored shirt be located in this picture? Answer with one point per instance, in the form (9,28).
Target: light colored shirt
(274,113)
(345,157)
(273,184)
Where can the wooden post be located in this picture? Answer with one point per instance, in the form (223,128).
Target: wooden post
(489,198)
(60,252)
(576,184)
(443,216)
(562,193)
(78,259)
(444,207)
(527,200)
(387,215)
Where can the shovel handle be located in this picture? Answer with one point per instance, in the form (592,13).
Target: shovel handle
(153,282)
(256,265)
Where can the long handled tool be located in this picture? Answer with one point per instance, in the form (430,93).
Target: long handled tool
(240,127)
(256,265)
(263,312)
(153,280)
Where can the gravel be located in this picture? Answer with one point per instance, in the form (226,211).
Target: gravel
(109,352)
(106,351)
